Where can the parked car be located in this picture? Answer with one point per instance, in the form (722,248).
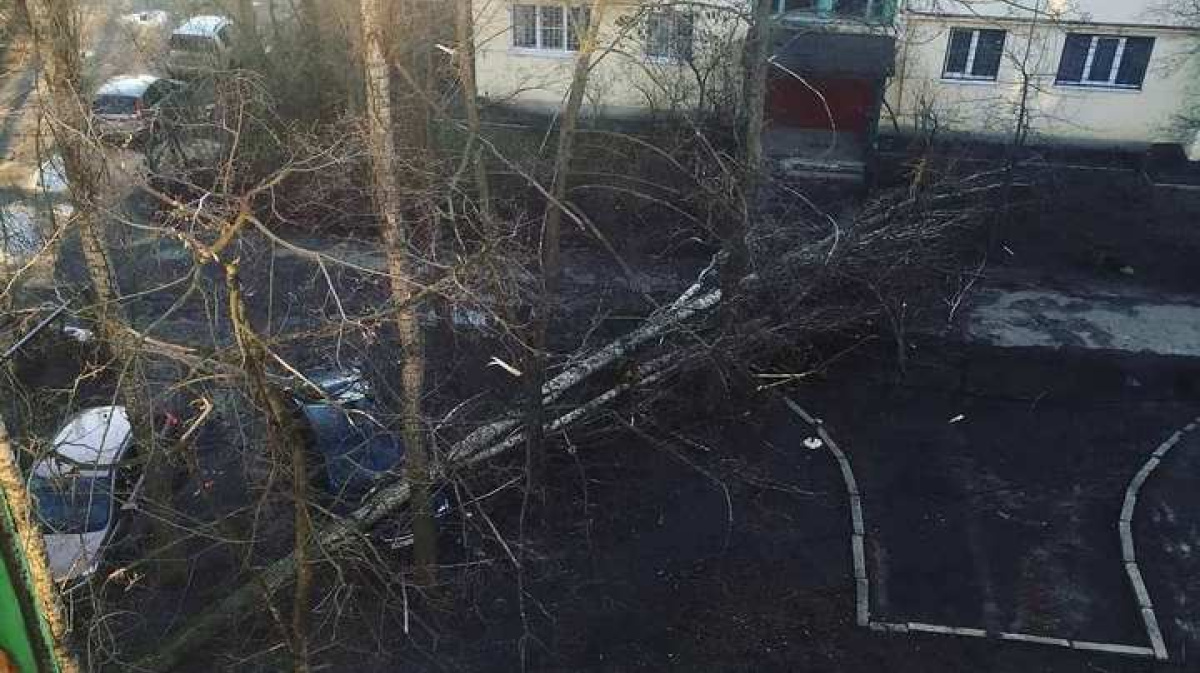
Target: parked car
(130,107)
(355,450)
(202,45)
(83,488)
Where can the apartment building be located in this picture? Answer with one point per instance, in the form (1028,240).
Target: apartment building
(1099,73)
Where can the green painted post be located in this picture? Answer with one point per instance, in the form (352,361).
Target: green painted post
(24,634)
(825,7)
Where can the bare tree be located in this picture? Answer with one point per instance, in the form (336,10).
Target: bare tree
(550,238)
(397,234)
(57,33)
(465,35)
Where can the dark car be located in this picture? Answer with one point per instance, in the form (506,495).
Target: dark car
(355,450)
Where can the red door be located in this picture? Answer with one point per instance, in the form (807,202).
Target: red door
(849,103)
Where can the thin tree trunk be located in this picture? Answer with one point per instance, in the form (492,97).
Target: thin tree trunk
(551,244)
(45,604)
(733,237)
(287,442)
(396,234)
(465,34)
(758,51)
(249,46)
(731,229)
(57,34)
(21,7)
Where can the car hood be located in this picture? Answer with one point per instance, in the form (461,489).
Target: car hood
(73,555)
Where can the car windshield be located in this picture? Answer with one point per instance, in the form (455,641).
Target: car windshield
(114,105)
(180,42)
(72,504)
(357,450)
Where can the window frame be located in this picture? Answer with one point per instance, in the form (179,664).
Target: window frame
(1110,84)
(873,11)
(972,51)
(570,39)
(672,53)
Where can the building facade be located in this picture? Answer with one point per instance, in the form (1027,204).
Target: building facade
(653,56)
(1102,73)
(1099,73)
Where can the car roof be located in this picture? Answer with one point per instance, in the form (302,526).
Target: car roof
(342,385)
(127,85)
(203,26)
(97,436)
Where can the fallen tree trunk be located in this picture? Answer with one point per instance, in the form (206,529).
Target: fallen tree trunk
(484,443)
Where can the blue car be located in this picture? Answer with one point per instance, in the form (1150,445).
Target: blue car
(356,450)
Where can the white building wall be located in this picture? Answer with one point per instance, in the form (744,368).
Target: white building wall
(625,82)
(1130,12)
(919,95)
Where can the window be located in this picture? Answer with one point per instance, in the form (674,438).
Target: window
(549,27)
(1104,61)
(782,6)
(871,10)
(974,54)
(669,35)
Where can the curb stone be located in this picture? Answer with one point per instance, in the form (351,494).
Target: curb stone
(1156,639)
(1036,640)
(1157,649)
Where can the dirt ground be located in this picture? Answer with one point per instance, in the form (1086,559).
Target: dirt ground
(723,546)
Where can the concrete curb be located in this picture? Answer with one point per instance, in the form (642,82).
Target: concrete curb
(1129,549)
(862,610)
(862,598)
(1083,645)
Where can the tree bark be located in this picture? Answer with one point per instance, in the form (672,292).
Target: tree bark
(465,34)
(733,236)
(57,34)
(731,229)
(396,234)
(287,443)
(250,47)
(45,605)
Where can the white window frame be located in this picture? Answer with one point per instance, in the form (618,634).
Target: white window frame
(538,48)
(674,17)
(966,74)
(1111,83)
(1084,77)
(868,11)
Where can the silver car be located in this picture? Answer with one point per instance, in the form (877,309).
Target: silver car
(201,46)
(80,489)
(129,107)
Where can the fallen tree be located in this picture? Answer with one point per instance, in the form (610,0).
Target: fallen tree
(480,445)
(816,274)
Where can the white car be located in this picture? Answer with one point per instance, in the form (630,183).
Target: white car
(201,46)
(81,489)
(128,107)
